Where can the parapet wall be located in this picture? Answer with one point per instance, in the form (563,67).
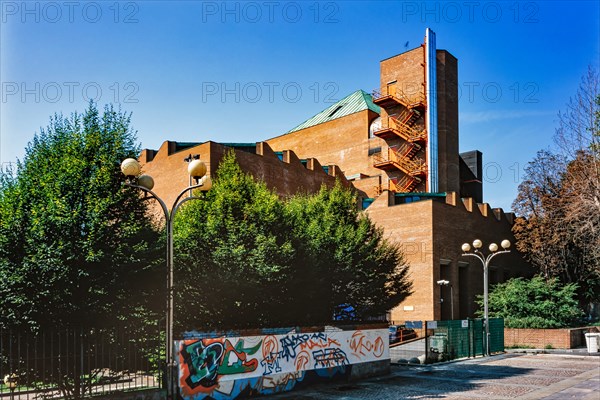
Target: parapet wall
(283,172)
(483,209)
(469,205)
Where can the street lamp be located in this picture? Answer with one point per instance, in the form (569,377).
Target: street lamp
(10,381)
(485,260)
(197,170)
(446,283)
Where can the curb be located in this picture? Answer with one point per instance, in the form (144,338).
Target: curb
(564,352)
(478,358)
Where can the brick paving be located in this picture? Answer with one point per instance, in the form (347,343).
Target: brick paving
(507,376)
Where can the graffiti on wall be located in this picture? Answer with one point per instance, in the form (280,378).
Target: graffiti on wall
(208,359)
(225,368)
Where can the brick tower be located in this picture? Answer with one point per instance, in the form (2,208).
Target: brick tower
(419,120)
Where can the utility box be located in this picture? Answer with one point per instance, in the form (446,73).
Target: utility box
(438,343)
(592,340)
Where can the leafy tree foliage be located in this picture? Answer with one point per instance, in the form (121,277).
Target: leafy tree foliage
(74,246)
(246,258)
(232,253)
(560,198)
(534,303)
(342,259)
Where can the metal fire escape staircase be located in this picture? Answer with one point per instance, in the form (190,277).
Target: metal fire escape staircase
(391,96)
(402,125)
(401,158)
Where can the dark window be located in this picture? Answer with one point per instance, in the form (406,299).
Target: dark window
(366,203)
(334,111)
(374,150)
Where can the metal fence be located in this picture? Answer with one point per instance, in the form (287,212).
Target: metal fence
(77,363)
(448,340)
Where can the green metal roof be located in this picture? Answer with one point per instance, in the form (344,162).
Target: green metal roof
(353,103)
(179,146)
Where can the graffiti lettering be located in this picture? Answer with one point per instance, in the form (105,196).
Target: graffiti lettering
(235,360)
(281,382)
(379,347)
(290,343)
(203,363)
(207,359)
(271,364)
(302,361)
(361,345)
(328,358)
(270,361)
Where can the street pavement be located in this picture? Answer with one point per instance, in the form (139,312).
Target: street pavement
(506,376)
(406,351)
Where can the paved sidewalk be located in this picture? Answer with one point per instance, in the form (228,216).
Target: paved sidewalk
(507,376)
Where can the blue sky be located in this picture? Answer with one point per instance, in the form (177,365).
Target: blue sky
(248,71)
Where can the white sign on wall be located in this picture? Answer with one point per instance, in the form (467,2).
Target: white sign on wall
(431,324)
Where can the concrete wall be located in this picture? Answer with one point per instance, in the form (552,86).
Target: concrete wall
(229,366)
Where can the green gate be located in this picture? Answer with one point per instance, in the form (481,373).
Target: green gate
(476,332)
(448,340)
(496,335)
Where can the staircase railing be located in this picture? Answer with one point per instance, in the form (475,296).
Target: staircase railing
(411,100)
(404,184)
(408,132)
(410,167)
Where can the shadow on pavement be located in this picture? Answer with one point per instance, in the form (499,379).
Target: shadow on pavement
(431,381)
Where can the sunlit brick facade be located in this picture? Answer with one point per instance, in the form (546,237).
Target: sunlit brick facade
(385,145)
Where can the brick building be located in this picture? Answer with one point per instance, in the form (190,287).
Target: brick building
(398,148)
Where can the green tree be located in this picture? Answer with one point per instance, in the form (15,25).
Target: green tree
(342,259)
(246,258)
(233,254)
(534,303)
(75,248)
(559,199)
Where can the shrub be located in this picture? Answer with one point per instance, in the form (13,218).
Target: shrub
(534,303)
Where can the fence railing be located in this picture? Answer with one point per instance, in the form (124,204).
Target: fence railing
(448,340)
(78,362)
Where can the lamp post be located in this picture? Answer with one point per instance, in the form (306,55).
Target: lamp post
(188,160)
(10,381)
(485,260)
(197,169)
(446,283)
